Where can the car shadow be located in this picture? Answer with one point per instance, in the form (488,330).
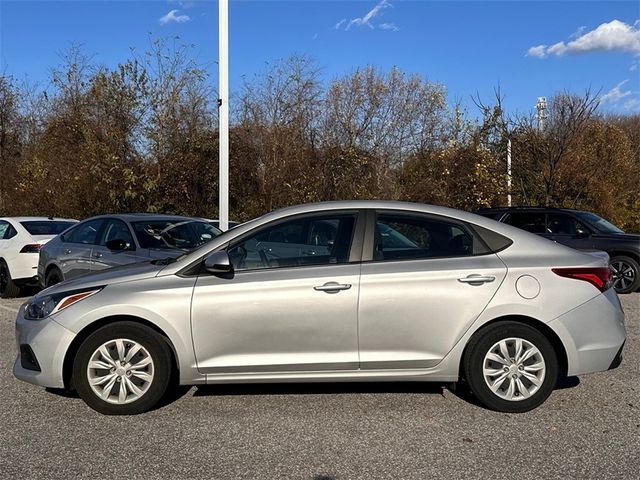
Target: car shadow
(62,392)
(329,388)
(567,382)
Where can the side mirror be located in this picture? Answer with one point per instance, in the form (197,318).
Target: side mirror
(117,244)
(218,262)
(583,233)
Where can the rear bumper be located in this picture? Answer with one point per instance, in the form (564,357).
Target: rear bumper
(48,342)
(593,334)
(24,267)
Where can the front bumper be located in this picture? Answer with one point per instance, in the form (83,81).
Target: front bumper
(49,342)
(593,334)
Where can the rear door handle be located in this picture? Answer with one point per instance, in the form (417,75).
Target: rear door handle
(332,287)
(476,279)
(67,251)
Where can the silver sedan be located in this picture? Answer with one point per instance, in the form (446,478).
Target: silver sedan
(342,291)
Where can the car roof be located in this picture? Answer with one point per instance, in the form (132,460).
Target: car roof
(39,219)
(512,209)
(132,217)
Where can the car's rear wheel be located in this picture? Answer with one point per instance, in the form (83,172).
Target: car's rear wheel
(510,367)
(123,368)
(53,277)
(8,288)
(626,274)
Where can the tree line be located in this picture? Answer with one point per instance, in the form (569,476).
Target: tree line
(143,137)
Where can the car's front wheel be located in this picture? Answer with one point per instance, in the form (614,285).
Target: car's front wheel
(626,274)
(123,368)
(510,367)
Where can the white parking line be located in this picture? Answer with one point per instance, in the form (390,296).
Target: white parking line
(9,309)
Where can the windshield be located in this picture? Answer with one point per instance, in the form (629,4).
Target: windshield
(174,234)
(45,227)
(600,223)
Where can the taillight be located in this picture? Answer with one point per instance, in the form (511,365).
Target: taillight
(599,277)
(31,248)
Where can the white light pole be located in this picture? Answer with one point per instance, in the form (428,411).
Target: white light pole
(223,113)
(508,172)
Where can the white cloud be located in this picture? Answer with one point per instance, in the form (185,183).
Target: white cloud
(615,36)
(173,16)
(389,26)
(183,3)
(615,94)
(366,20)
(538,51)
(619,98)
(632,105)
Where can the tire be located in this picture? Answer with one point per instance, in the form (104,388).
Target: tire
(149,379)
(525,395)
(8,288)
(626,274)
(53,277)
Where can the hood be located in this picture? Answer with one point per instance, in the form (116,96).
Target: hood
(125,273)
(622,237)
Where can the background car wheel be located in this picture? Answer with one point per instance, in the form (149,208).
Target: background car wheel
(510,367)
(53,277)
(123,368)
(8,288)
(626,274)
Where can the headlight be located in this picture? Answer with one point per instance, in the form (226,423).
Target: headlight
(40,307)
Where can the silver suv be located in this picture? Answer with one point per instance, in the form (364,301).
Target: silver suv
(108,241)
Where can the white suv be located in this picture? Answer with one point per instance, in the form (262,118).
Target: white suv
(20,242)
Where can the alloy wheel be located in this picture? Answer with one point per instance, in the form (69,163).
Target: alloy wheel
(514,369)
(623,274)
(120,371)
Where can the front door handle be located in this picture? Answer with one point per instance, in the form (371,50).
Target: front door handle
(97,255)
(67,251)
(476,279)
(332,287)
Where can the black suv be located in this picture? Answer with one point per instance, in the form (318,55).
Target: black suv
(583,231)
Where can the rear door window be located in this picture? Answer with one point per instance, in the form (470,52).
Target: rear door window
(400,237)
(533,222)
(85,233)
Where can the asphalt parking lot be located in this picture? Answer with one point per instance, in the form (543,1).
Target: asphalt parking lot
(588,429)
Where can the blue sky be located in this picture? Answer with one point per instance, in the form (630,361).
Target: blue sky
(528,48)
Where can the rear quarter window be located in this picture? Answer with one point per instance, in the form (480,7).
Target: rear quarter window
(494,241)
